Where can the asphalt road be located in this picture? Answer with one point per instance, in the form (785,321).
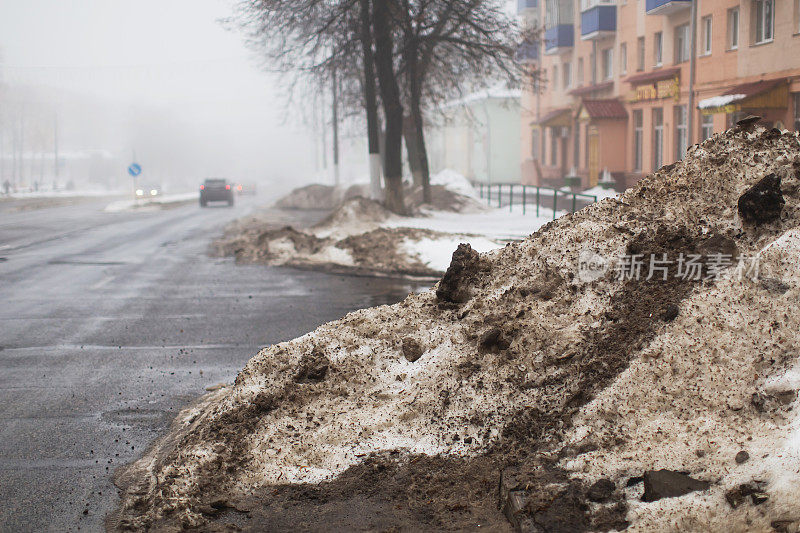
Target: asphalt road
(110,323)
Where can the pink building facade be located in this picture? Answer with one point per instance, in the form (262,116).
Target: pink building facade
(623,91)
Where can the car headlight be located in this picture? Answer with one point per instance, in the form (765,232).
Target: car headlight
(153,192)
(139,192)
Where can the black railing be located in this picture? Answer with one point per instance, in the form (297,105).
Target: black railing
(526,196)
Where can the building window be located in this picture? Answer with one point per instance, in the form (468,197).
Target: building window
(586,145)
(576,148)
(580,71)
(706,25)
(638,138)
(706,127)
(658,42)
(640,54)
(553,147)
(623,58)
(733,28)
(681,131)
(683,44)
(797,16)
(796,111)
(535,144)
(658,138)
(608,63)
(566,74)
(764,15)
(555,76)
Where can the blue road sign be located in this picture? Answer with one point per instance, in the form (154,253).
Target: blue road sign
(135,169)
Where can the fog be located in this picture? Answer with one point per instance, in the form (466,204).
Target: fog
(105,81)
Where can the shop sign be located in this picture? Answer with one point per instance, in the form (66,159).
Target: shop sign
(657,91)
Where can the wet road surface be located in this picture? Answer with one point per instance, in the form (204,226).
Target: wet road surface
(110,323)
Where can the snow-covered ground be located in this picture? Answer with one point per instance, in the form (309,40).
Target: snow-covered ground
(127,205)
(63,194)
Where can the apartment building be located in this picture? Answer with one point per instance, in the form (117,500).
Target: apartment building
(623,90)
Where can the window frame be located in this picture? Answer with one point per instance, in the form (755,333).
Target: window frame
(658,49)
(708,34)
(733,29)
(658,138)
(706,127)
(762,19)
(640,54)
(680,116)
(566,75)
(623,58)
(638,140)
(580,72)
(607,62)
(682,35)
(796,111)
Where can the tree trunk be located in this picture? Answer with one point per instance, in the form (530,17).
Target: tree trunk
(415,95)
(371,103)
(412,154)
(392,107)
(422,153)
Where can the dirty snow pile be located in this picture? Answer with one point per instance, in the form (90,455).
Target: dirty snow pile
(543,386)
(318,196)
(361,236)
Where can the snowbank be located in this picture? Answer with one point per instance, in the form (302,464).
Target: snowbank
(158,202)
(452,180)
(535,377)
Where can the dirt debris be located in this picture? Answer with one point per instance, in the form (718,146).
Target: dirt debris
(349,240)
(536,383)
(763,202)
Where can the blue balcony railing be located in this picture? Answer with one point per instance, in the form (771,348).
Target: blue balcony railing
(558,37)
(598,21)
(666,7)
(528,53)
(522,5)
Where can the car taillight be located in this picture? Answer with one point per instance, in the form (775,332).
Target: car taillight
(227,187)
(202,187)
(239,187)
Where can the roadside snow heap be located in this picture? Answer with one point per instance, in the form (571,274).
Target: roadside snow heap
(353,238)
(546,386)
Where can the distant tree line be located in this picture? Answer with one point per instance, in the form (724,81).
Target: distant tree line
(392,59)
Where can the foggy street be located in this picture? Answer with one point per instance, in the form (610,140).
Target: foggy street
(110,323)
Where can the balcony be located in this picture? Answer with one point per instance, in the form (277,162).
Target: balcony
(527,53)
(559,38)
(666,7)
(525,5)
(598,22)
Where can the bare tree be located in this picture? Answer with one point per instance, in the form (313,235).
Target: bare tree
(410,53)
(448,45)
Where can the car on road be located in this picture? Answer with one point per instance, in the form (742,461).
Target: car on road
(246,188)
(216,190)
(148,191)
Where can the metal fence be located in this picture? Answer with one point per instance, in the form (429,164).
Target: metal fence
(530,197)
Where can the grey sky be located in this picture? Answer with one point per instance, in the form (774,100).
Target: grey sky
(169,55)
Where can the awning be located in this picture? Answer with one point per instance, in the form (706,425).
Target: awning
(654,76)
(557,117)
(764,94)
(608,108)
(580,91)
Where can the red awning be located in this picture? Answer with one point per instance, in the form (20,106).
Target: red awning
(580,91)
(755,87)
(553,115)
(656,75)
(753,95)
(605,108)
